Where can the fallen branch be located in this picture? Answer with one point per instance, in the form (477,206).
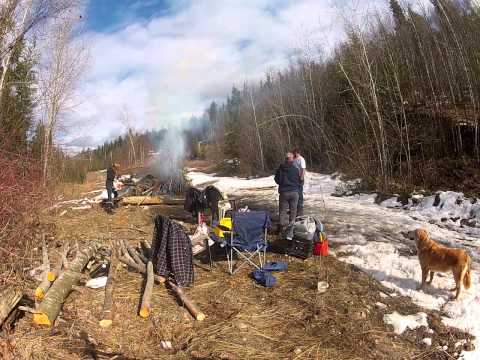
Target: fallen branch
(54,299)
(9,299)
(108,304)
(145,308)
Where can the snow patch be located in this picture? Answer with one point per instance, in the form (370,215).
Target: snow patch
(401,323)
(427,341)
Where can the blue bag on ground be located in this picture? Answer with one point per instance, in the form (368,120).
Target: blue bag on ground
(264,278)
(275,266)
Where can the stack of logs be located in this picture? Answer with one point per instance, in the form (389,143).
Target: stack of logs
(59,282)
(54,288)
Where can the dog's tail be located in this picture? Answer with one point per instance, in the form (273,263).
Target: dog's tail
(467,280)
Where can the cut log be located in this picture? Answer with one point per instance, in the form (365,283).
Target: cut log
(145,308)
(43,287)
(9,298)
(150,200)
(189,304)
(53,275)
(141,269)
(108,304)
(54,299)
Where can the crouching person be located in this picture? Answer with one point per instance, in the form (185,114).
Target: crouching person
(288,179)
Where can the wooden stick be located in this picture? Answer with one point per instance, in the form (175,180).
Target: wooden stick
(27,309)
(54,299)
(108,304)
(9,298)
(145,308)
(43,287)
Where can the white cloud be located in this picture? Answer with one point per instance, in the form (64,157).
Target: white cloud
(176,64)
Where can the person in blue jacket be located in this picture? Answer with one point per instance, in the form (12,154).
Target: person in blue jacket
(289,184)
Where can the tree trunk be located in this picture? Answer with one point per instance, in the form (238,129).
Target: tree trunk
(9,298)
(259,138)
(147,293)
(108,304)
(53,301)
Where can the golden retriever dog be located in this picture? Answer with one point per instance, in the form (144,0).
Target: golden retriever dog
(434,257)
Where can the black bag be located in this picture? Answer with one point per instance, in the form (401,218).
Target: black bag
(301,248)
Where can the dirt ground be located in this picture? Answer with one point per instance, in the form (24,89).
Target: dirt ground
(244,320)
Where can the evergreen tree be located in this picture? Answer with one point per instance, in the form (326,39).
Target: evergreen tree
(17,101)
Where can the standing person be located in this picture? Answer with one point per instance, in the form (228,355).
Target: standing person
(112,173)
(288,179)
(300,163)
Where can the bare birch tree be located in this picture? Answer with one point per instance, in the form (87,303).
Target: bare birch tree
(65,61)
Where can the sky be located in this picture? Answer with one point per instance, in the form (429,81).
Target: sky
(162,61)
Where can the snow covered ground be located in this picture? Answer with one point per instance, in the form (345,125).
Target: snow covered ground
(373,237)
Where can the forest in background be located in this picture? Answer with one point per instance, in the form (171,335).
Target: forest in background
(396,104)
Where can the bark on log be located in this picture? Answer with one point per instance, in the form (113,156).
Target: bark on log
(145,308)
(150,200)
(108,304)
(54,299)
(9,298)
(43,287)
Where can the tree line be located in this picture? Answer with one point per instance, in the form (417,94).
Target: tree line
(394,102)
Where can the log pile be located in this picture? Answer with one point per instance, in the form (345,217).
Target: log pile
(51,305)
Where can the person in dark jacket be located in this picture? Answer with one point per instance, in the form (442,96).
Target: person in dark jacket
(288,179)
(112,173)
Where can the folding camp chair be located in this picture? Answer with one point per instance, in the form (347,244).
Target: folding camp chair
(247,239)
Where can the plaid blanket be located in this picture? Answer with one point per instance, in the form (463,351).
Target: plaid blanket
(172,251)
